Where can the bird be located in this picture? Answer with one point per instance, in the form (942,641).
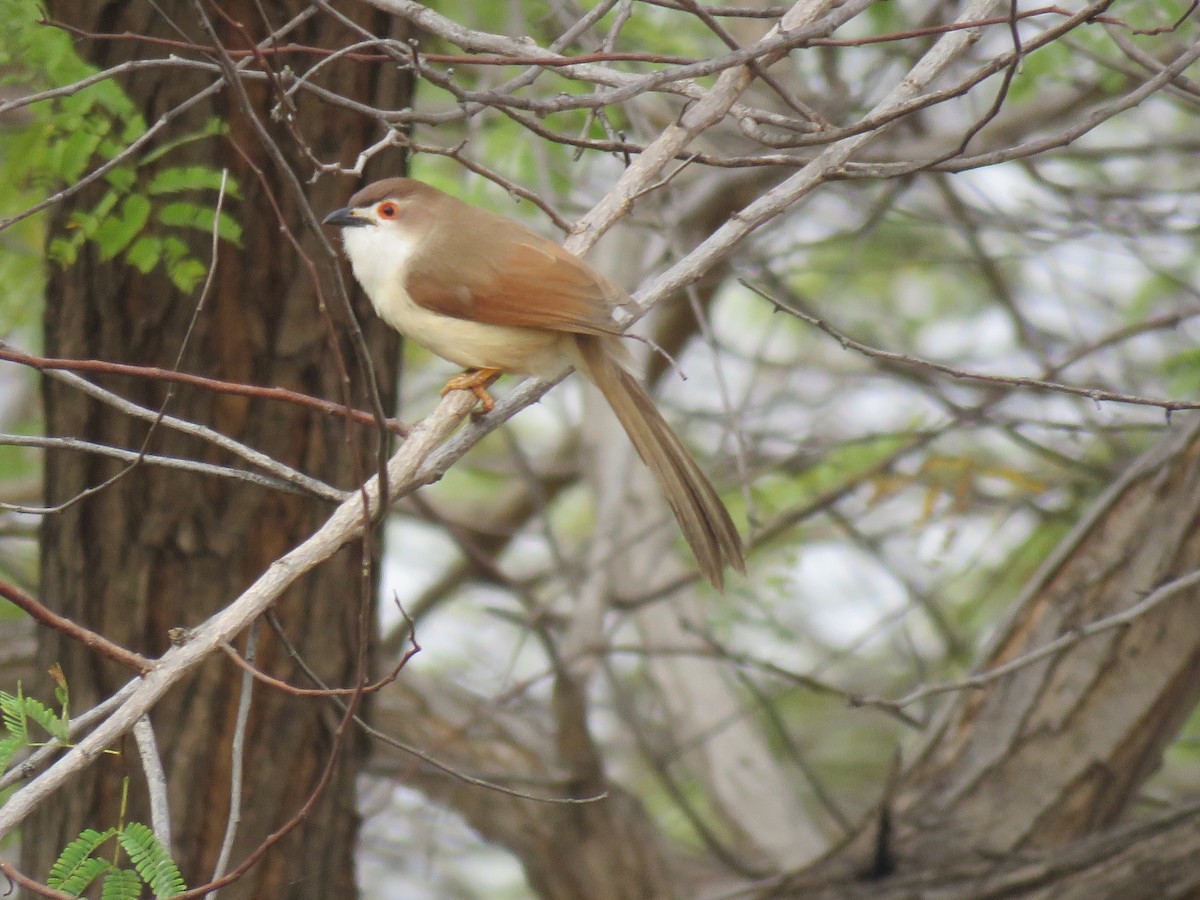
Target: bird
(493,296)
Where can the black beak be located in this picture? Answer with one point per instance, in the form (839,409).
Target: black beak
(345,218)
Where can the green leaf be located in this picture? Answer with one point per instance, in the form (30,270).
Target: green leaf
(186,274)
(87,872)
(184,270)
(12,710)
(117,231)
(122,884)
(175,249)
(59,140)
(61,692)
(16,710)
(75,867)
(64,251)
(83,222)
(135,127)
(88,222)
(212,128)
(229,229)
(69,157)
(152,860)
(8,749)
(110,148)
(145,253)
(122,178)
(46,717)
(177,179)
(182,214)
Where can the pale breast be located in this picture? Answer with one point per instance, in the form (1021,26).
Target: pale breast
(380,262)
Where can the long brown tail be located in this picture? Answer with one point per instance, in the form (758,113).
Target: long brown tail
(701,515)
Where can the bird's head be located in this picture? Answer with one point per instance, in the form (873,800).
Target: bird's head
(384,224)
(393,204)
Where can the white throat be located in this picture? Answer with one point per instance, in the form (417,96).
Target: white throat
(380,258)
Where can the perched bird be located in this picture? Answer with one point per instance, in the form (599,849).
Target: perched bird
(489,294)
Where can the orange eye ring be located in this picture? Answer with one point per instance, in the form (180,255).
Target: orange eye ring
(387,210)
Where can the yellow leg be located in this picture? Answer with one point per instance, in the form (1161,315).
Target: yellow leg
(476,381)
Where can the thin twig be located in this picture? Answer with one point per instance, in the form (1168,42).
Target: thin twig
(237,759)
(1096,395)
(156,780)
(1153,599)
(74,630)
(216,385)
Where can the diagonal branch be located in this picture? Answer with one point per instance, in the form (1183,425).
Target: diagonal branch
(343,526)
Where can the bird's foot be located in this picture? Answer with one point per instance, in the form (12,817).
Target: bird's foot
(476,381)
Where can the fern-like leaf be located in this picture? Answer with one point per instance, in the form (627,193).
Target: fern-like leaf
(12,712)
(152,860)
(75,867)
(8,749)
(46,717)
(16,710)
(89,870)
(122,884)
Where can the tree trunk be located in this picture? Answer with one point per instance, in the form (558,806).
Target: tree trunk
(1057,749)
(158,548)
(1020,787)
(1149,861)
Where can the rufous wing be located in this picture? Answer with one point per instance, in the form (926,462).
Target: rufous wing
(518,279)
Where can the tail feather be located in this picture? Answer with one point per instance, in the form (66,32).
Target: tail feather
(702,516)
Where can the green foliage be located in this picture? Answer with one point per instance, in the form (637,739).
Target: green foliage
(9,746)
(140,216)
(123,884)
(17,711)
(152,860)
(146,204)
(77,867)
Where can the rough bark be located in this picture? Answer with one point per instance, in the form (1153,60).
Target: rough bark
(1149,861)
(159,549)
(1050,754)
(1057,749)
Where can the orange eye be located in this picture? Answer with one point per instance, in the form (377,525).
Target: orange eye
(388,210)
